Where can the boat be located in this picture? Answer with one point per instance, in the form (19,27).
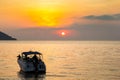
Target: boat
(31,62)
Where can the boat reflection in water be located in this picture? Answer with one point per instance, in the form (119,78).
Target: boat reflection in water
(31,76)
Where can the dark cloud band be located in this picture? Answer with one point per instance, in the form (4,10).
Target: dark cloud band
(103,17)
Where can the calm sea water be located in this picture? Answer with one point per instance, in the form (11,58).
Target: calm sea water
(65,60)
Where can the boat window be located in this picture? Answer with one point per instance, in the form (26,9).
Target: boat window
(30,56)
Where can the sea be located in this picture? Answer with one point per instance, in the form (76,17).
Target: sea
(65,60)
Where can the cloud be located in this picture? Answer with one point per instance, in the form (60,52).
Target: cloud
(103,17)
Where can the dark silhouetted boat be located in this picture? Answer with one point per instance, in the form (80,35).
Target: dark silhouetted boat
(31,62)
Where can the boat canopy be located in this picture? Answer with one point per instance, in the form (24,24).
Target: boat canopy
(30,52)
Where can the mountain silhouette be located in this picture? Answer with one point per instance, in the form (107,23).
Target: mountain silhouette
(4,36)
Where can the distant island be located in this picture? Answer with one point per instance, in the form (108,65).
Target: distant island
(4,36)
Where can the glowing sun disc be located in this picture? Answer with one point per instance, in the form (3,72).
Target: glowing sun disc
(63,33)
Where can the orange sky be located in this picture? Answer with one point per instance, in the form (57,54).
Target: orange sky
(52,13)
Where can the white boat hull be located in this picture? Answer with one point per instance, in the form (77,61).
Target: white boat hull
(27,66)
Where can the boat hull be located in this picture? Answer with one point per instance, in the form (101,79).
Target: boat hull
(29,67)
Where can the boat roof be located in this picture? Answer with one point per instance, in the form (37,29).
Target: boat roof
(31,52)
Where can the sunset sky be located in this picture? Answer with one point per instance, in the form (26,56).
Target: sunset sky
(77,19)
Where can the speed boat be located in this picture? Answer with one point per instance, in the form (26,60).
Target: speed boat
(31,62)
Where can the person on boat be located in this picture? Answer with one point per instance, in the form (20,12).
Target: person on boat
(19,56)
(34,57)
(26,57)
(35,61)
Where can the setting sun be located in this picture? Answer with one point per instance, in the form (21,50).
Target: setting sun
(63,33)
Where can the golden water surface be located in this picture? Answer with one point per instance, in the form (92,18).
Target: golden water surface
(65,60)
